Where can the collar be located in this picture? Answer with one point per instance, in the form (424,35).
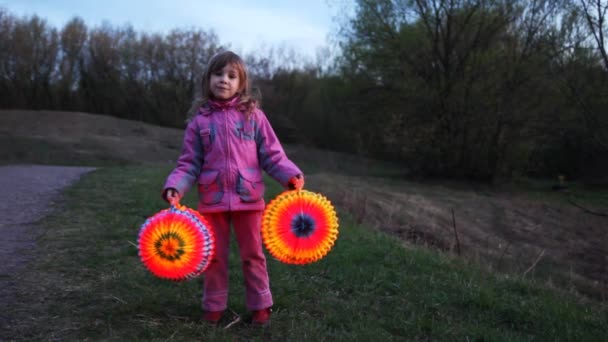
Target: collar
(215,105)
(223,104)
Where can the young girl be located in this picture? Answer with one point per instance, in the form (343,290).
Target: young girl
(226,145)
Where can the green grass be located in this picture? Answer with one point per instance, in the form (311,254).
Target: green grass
(87,283)
(584,194)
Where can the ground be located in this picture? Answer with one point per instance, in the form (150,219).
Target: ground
(28,194)
(544,237)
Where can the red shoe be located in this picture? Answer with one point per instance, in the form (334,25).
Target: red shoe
(213,317)
(261,318)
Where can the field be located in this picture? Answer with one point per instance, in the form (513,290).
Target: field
(532,265)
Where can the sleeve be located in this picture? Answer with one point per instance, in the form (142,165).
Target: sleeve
(271,155)
(189,162)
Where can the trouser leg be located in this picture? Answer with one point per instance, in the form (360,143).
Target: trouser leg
(247,225)
(215,278)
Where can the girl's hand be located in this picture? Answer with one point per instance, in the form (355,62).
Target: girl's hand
(296,182)
(172,196)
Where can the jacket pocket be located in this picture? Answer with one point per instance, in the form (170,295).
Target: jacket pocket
(250,185)
(206,135)
(245,130)
(210,189)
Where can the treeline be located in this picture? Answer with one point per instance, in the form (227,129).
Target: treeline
(485,89)
(108,70)
(462,88)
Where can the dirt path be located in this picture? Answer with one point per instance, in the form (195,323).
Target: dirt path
(28,193)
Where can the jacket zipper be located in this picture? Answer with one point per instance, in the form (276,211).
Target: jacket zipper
(228,168)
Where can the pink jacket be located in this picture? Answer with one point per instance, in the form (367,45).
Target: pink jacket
(224,153)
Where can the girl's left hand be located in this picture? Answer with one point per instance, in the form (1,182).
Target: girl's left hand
(296,182)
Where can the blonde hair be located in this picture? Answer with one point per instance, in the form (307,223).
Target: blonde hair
(247,102)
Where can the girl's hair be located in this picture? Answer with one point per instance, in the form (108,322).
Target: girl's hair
(247,102)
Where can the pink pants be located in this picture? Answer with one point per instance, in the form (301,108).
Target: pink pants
(247,230)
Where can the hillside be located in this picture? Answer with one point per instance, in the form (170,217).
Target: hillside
(529,231)
(72,138)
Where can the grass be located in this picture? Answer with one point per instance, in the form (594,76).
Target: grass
(73,138)
(568,224)
(87,283)
(541,189)
(29,150)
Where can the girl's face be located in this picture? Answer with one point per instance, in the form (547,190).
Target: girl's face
(224,83)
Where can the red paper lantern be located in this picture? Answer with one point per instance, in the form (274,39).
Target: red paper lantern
(176,243)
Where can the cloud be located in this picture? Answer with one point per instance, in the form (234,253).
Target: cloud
(244,25)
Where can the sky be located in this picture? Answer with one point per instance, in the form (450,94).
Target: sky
(303,25)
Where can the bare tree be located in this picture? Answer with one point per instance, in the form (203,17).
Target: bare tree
(73,39)
(583,66)
(32,48)
(594,12)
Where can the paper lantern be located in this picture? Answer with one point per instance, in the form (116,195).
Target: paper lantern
(299,227)
(176,243)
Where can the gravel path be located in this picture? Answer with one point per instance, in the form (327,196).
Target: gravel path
(27,195)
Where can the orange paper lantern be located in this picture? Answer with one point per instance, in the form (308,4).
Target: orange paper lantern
(299,227)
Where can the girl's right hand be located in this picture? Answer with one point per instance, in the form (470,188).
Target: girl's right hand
(172,196)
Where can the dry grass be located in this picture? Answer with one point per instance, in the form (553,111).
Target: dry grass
(502,231)
(52,137)
(527,230)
